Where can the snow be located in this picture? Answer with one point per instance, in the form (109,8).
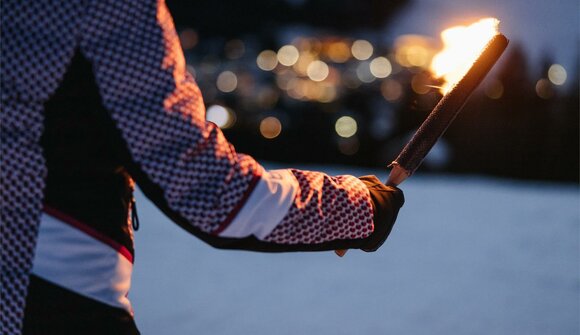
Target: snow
(468,255)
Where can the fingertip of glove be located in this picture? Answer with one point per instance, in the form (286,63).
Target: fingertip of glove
(399,196)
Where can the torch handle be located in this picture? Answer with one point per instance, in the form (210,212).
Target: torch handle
(398,175)
(442,115)
(449,107)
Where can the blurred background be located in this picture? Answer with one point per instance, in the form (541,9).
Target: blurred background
(488,239)
(348,82)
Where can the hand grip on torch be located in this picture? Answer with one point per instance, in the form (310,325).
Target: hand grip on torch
(443,114)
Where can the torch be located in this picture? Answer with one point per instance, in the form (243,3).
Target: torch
(456,94)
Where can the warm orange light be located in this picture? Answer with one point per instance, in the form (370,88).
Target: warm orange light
(414,51)
(270,127)
(462,46)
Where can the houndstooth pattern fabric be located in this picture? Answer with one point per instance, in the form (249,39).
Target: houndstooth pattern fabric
(29,75)
(203,178)
(140,71)
(325,209)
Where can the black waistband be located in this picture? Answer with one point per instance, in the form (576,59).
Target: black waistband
(86,178)
(53,310)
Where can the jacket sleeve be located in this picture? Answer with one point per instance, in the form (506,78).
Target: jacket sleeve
(185,165)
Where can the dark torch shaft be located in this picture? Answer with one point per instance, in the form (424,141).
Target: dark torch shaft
(445,112)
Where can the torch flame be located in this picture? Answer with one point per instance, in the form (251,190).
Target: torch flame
(462,46)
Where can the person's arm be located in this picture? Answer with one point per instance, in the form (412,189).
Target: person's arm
(185,165)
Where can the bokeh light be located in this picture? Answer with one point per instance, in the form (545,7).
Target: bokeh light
(350,79)
(348,146)
(386,88)
(338,52)
(317,70)
(297,88)
(544,89)
(557,74)
(328,93)
(362,49)
(270,127)
(417,55)
(414,51)
(223,117)
(288,55)
(301,66)
(267,97)
(364,74)
(246,85)
(267,60)
(381,67)
(346,126)
(285,79)
(188,38)
(227,81)
(420,83)
(392,90)
(234,49)
(494,89)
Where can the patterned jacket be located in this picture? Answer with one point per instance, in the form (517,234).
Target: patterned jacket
(180,161)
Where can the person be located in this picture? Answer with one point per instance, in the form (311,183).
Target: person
(95,95)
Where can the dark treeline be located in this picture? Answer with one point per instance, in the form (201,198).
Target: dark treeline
(522,134)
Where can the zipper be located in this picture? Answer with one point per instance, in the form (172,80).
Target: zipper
(134,216)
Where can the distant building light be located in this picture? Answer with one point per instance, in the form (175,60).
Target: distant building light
(362,49)
(346,126)
(381,67)
(317,70)
(223,117)
(557,74)
(288,55)
(270,127)
(267,60)
(227,81)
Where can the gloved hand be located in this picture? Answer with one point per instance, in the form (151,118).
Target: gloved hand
(387,200)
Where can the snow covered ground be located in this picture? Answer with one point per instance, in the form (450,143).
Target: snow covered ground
(469,255)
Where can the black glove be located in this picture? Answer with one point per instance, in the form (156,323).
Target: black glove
(387,200)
